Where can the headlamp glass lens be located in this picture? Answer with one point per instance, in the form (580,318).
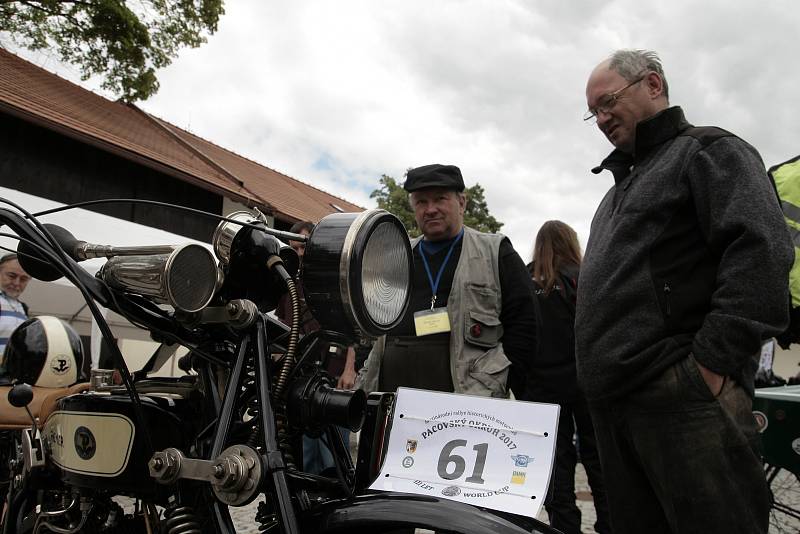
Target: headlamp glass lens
(385,273)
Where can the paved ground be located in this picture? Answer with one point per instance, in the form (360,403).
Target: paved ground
(584,500)
(786,488)
(243,517)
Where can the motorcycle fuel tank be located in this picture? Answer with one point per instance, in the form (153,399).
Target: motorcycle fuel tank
(94,439)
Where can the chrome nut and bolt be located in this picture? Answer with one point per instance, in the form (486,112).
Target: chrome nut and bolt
(234,474)
(164,466)
(156,464)
(219,471)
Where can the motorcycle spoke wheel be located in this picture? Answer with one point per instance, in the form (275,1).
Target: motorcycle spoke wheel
(784,514)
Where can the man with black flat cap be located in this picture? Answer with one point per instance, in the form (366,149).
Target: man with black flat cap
(471,324)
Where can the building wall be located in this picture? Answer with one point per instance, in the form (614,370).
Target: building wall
(44,163)
(786,363)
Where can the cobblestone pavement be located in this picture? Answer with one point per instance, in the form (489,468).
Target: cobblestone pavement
(584,500)
(779,523)
(786,486)
(244,518)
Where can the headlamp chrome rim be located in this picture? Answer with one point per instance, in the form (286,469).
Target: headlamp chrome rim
(344,282)
(345,272)
(356,244)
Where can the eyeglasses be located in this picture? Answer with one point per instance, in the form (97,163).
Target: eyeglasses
(608,102)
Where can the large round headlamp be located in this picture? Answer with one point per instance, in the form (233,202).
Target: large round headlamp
(357,272)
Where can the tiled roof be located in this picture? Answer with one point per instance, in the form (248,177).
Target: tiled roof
(44,98)
(286,195)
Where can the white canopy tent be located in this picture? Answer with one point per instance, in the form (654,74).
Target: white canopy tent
(60,298)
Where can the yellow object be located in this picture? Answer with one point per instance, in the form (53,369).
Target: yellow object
(518,477)
(787,181)
(433,321)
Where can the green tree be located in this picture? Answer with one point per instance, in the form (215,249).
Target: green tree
(393,198)
(122,41)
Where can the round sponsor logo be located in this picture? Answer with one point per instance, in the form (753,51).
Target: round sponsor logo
(796,445)
(521,460)
(451,491)
(60,365)
(85,444)
(761,420)
(408,461)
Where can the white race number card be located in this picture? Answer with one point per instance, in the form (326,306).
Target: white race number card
(494,453)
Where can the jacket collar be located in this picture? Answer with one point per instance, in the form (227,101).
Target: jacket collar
(650,133)
(9,297)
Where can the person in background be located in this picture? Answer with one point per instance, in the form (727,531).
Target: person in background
(685,274)
(472,315)
(13,312)
(471,320)
(317,457)
(552,377)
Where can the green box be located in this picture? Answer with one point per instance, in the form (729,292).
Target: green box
(781,438)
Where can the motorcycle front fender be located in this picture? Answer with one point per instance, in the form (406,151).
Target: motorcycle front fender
(389,511)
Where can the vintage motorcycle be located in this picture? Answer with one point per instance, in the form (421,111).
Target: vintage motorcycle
(186,450)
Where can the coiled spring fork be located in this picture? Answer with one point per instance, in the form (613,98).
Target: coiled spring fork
(256,437)
(282,436)
(278,392)
(252,406)
(294,334)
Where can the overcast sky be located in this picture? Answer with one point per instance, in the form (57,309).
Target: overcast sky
(336,93)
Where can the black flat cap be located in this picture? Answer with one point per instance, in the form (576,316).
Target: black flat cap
(435,175)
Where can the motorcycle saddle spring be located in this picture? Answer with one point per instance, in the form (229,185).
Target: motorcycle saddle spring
(181,520)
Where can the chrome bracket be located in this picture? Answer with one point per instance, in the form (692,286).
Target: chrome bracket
(235,475)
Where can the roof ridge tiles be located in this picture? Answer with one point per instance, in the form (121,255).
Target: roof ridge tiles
(182,142)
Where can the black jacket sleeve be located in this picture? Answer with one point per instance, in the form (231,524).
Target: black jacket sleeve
(739,214)
(518,316)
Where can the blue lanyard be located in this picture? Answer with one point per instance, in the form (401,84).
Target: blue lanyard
(435,284)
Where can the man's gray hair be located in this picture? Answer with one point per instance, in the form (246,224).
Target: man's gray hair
(630,64)
(7,258)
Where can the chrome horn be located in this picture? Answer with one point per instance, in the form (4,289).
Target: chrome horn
(186,278)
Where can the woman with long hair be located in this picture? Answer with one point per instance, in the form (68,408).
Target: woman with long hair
(553,376)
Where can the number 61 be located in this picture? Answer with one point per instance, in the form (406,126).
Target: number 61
(446,457)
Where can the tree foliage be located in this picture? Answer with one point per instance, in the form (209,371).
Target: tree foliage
(122,41)
(393,198)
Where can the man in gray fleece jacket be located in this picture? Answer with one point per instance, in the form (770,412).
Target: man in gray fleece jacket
(685,273)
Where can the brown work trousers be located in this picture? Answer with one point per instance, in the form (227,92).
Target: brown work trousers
(679,460)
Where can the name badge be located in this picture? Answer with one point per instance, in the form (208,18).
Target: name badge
(433,321)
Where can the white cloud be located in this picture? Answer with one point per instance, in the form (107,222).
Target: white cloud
(338,93)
